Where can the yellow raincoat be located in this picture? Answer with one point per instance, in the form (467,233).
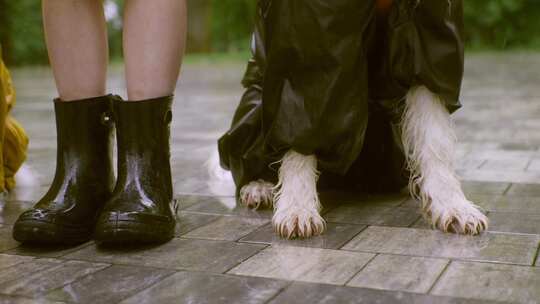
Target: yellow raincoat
(13,139)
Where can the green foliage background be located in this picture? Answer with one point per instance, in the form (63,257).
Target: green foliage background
(502,24)
(231,24)
(490,24)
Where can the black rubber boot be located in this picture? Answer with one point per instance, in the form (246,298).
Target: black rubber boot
(140,210)
(84,178)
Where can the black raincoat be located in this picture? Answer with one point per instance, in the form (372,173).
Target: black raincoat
(329,77)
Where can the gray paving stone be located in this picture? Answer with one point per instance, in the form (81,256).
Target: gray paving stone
(336,197)
(110,285)
(304,264)
(500,176)
(534,165)
(189,221)
(489,247)
(218,188)
(516,284)
(189,186)
(227,206)
(514,164)
(496,153)
(227,228)
(189,287)
(21,270)
(37,283)
(422,223)
(10,211)
(400,273)
(380,200)
(7,299)
(328,294)
(524,190)
(189,254)
(373,215)
(6,240)
(514,222)
(477,187)
(410,203)
(185,201)
(334,237)
(10,260)
(468,163)
(516,204)
(45,251)
(30,195)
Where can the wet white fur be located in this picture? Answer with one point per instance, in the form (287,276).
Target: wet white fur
(429,140)
(296,202)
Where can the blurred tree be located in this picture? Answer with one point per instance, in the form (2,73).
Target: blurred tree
(4,30)
(113,13)
(232,24)
(502,24)
(21,34)
(199,20)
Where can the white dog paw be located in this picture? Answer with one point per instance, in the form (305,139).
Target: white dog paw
(462,217)
(257,194)
(298,223)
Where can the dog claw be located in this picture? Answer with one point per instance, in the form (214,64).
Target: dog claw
(467,220)
(471,227)
(294,226)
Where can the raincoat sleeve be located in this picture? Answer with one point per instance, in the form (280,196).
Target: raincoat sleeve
(424,46)
(306,87)
(13,139)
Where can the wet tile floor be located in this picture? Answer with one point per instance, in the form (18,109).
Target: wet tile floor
(377,249)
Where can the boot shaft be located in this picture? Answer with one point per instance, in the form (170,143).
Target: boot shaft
(84,133)
(84,176)
(143,139)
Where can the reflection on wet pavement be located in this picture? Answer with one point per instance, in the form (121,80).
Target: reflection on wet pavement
(376,247)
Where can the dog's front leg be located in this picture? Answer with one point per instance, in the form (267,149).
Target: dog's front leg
(428,139)
(296,202)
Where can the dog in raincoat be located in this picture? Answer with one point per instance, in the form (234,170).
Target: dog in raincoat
(358,93)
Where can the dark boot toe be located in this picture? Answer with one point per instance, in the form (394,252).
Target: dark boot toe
(134,227)
(47,227)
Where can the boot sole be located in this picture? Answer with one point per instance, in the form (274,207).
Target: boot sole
(132,232)
(40,232)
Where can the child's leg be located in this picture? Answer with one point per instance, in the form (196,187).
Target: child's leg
(154,41)
(76,37)
(141,207)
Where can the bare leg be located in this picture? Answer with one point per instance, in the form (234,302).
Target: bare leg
(154,40)
(76,37)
